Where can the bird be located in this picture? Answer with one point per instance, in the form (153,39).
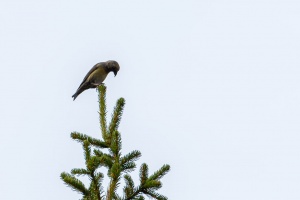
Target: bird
(97,75)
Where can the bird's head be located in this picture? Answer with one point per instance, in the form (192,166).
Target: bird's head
(113,66)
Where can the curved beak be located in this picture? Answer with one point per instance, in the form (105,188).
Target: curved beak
(115,73)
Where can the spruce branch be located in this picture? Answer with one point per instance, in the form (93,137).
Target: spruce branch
(74,183)
(143,173)
(127,161)
(116,144)
(131,157)
(117,197)
(116,164)
(139,198)
(116,169)
(106,159)
(93,141)
(111,193)
(148,185)
(116,116)
(155,195)
(128,167)
(135,194)
(98,152)
(115,173)
(129,182)
(99,177)
(153,184)
(79,172)
(95,187)
(160,173)
(129,186)
(87,151)
(102,110)
(94,162)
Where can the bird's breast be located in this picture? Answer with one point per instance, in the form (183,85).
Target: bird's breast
(98,76)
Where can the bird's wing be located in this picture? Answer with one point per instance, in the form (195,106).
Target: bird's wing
(90,72)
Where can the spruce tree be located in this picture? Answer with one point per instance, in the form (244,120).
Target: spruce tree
(106,153)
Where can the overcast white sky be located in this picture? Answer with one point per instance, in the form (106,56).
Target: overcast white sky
(212,88)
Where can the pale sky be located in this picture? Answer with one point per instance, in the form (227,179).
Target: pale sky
(212,88)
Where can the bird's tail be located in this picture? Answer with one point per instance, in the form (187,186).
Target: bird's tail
(79,91)
(75,96)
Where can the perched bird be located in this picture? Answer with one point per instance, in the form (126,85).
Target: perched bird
(97,75)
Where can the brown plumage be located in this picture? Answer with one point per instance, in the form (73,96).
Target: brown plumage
(97,75)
